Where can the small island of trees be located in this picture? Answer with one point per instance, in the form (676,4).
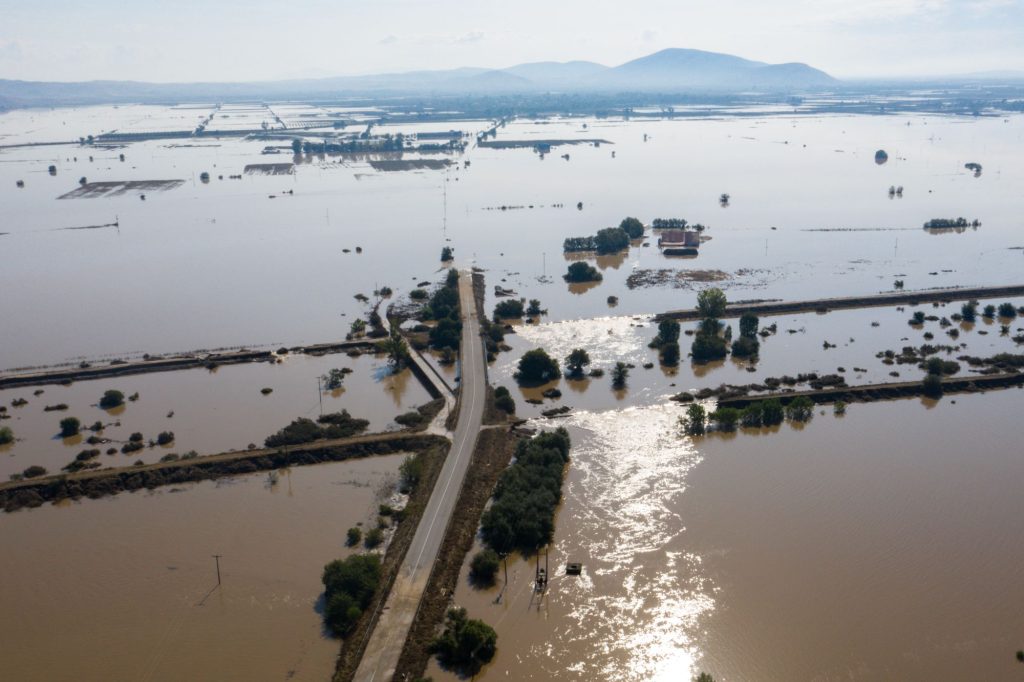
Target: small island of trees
(947,223)
(608,240)
(582,272)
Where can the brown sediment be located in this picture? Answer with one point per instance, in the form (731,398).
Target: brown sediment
(679,279)
(875,392)
(355,643)
(491,456)
(100,483)
(850,302)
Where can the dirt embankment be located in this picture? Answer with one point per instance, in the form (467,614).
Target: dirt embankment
(493,452)
(846,303)
(890,391)
(353,646)
(15,495)
(166,364)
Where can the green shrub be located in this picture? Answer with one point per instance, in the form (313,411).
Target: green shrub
(1007,310)
(800,409)
(745,347)
(620,372)
(165,438)
(410,473)
(632,227)
(711,303)
(839,408)
(136,437)
(932,386)
(111,399)
(353,537)
(670,354)
(668,332)
(373,538)
(748,324)
(725,418)
(132,446)
(484,567)
(693,422)
(536,367)
(69,426)
(410,419)
(772,412)
(752,415)
(582,272)
(611,240)
(969,311)
(34,471)
(576,361)
(349,586)
(466,645)
(6,435)
(419,294)
(708,347)
(509,308)
(503,400)
(990,311)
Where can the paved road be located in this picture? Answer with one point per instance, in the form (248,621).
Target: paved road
(386,641)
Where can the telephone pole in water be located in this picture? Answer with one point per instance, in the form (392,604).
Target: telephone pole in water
(216,557)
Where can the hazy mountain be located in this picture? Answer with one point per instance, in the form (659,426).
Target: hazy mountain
(668,71)
(679,69)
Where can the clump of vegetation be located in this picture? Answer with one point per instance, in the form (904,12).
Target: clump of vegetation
(59,407)
(34,471)
(839,408)
(536,367)
(534,309)
(707,342)
(576,361)
(989,312)
(19,402)
(410,419)
(302,430)
(632,227)
(608,240)
(165,438)
(800,409)
(333,380)
(6,435)
(69,426)
(932,386)
(509,309)
(353,537)
(447,254)
(484,567)
(444,308)
(373,538)
(693,422)
(419,294)
(266,391)
(132,446)
(969,311)
(935,365)
(349,586)
(620,373)
(503,400)
(668,332)
(943,223)
(466,645)
(725,418)
(111,399)
(1007,310)
(582,272)
(522,514)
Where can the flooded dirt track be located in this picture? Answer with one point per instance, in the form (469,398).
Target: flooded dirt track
(124,588)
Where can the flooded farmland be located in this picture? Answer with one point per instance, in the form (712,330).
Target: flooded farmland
(207,411)
(126,588)
(853,548)
(876,545)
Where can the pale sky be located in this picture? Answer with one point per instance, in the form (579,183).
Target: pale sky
(238,40)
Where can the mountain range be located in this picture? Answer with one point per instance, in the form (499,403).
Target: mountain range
(667,71)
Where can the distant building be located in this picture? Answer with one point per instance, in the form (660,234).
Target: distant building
(675,239)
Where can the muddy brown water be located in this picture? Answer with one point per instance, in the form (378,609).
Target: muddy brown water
(879,545)
(212,411)
(124,588)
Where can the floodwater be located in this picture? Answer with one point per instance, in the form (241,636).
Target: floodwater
(208,411)
(216,264)
(796,347)
(125,588)
(879,545)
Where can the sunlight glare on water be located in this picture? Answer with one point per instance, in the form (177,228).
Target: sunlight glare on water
(646,598)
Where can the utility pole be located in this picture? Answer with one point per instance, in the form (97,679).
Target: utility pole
(216,558)
(320,395)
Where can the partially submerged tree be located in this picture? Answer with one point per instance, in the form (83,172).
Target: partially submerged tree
(711,303)
(466,645)
(576,361)
(536,367)
(619,374)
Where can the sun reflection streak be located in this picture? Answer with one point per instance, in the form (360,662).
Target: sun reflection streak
(640,613)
